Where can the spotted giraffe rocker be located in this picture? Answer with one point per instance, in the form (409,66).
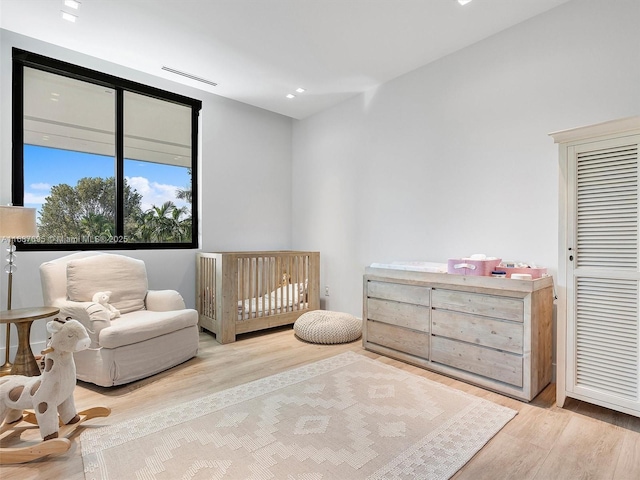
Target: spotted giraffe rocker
(50,395)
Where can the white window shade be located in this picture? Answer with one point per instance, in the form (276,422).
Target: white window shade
(60,112)
(156,130)
(69,114)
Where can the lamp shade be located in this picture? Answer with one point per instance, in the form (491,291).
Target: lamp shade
(17,222)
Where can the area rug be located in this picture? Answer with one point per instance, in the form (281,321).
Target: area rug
(346,417)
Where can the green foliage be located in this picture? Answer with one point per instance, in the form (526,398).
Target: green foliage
(166,223)
(185,193)
(77,214)
(86,214)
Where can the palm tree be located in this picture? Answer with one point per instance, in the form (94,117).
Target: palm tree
(185,193)
(164,224)
(97,225)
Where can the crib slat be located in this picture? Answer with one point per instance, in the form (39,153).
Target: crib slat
(255,267)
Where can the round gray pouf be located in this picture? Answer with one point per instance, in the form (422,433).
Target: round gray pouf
(323,326)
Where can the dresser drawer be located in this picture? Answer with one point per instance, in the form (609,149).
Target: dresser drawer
(488,332)
(489,363)
(399,292)
(405,315)
(478,304)
(397,338)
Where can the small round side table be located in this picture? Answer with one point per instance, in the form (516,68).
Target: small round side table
(25,363)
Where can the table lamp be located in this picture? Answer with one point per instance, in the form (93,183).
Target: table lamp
(15,223)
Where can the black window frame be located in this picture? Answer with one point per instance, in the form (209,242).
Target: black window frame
(23,58)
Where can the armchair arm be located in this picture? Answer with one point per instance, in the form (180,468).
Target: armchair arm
(92,315)
(164,301)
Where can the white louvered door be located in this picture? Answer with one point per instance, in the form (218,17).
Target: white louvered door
(602,273)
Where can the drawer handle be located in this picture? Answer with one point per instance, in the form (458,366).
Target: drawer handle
(470,266)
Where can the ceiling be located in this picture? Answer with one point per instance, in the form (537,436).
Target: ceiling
(258,51)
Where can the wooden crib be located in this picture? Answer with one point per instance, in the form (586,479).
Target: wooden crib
(241,292)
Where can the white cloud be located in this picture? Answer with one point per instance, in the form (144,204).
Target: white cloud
(34,199)
(154,193)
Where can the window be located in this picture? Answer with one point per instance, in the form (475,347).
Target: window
(108,163)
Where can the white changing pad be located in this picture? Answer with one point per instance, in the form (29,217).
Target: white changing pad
(431,267)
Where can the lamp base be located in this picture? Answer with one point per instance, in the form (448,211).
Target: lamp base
(6,369)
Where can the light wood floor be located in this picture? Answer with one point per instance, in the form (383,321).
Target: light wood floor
(543,442)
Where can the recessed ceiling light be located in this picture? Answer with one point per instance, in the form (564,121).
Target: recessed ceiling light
(291,95)
(72,4)
(300,90)
(463,2)
(69,17)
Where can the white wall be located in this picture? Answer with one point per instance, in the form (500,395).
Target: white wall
(245,176)
(454,158)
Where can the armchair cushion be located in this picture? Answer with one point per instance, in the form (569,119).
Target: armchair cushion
(125,277)
(136,327)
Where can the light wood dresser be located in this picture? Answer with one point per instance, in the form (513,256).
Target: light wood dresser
(493,332)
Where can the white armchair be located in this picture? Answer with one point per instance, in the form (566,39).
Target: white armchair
(153,333)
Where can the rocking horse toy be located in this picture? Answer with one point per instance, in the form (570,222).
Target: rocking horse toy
(49,395)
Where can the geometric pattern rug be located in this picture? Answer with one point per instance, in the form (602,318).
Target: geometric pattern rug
(345,417)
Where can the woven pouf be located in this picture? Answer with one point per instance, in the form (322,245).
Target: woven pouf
(322,326)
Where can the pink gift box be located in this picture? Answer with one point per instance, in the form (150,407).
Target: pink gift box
(468,266)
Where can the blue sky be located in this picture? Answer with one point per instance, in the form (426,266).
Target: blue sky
(46,167)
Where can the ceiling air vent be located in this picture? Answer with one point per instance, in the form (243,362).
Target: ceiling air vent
(189,75)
